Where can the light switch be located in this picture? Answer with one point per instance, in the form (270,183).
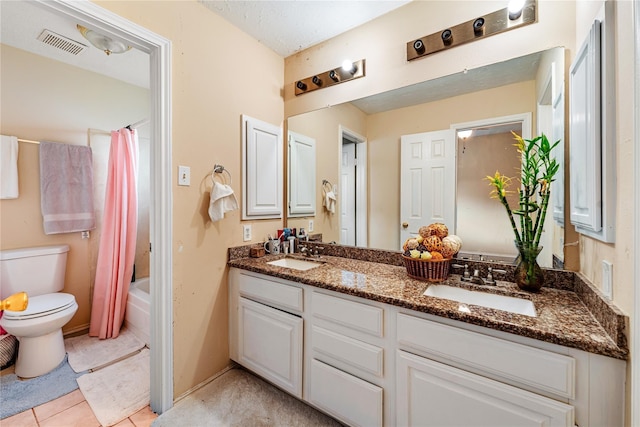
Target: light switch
(184,175)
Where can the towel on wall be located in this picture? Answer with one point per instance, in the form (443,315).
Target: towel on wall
(66,188)
(8,167)
(222,200)
(330,201)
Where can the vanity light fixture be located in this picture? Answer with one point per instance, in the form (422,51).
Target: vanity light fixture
(518,13)
(102,42)
(349,70)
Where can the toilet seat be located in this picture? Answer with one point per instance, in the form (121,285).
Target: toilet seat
(42,305)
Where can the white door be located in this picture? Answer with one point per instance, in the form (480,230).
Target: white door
(270,344)
(427,181)
(348,195)
(433,394)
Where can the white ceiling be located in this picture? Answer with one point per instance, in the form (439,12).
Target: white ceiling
(293,25)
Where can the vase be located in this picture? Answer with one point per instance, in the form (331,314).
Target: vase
(528,274)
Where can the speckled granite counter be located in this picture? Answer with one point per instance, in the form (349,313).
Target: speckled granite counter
(571,313)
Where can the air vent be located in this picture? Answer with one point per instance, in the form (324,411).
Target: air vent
(61,42)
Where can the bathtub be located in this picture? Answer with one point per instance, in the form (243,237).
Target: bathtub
(136,316)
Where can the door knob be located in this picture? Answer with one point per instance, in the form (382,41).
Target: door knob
(405,224)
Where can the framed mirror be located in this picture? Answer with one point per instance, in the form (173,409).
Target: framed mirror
(524,85)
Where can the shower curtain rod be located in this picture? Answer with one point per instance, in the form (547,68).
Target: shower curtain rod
(138,124)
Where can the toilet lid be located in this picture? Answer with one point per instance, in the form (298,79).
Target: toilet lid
(43,305)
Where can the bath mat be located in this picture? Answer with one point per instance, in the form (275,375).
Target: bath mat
(91,353)
(119,390)
(18,395)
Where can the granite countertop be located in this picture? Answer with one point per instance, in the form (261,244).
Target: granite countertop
(572,314)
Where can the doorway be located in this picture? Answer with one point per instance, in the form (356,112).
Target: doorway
(353,188)
(160,209)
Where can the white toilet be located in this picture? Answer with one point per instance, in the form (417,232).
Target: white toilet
(39,272)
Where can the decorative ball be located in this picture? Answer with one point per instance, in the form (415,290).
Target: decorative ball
(449,248)
(414,253)
(457,239)
(425,255)
(436,256)
(412,244)
(422,248)
(424,231)
(452,241)
(433,243)
(439,229)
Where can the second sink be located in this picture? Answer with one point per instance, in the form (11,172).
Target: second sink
(483,299)
(295,264)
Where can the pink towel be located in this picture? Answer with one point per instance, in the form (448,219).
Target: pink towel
(66,188)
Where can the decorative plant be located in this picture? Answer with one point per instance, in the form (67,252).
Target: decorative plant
(537,173)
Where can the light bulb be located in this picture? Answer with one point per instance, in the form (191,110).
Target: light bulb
(347,65)
(464,134)
(515,8)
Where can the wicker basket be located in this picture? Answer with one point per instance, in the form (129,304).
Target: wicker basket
(429,270)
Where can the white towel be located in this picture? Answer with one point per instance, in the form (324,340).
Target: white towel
(66,188)
(330,201)
(222,200)
(8,167)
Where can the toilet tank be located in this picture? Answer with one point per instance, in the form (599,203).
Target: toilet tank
(36,271)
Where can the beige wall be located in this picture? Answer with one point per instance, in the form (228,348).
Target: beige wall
(218,73)
(323,125)
(385,129)
(43,99)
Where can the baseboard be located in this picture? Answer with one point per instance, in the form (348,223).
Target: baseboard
(77,331)
(231,365)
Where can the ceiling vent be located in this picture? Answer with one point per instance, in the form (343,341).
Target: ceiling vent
(61,42)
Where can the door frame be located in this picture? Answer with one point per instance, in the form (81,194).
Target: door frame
(159,49)
(635,328)
(362,209)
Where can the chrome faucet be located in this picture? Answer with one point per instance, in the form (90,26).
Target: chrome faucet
(489,280)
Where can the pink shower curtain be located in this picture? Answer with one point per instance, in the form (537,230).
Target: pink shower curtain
(118,238)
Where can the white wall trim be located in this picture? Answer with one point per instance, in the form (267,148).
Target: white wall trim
(635,326)
(161,223)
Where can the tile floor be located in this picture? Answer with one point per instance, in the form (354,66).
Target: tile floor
(71,410)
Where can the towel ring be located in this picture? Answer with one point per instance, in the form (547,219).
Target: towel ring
(326,183)
(220,169)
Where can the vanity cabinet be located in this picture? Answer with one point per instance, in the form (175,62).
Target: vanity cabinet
(494,380)
(344,352)
(372,364)
(268,340)
(430,393)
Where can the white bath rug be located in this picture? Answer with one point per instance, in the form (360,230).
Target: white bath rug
(87,352)
(119,390)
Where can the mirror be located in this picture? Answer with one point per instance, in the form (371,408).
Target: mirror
(531,84)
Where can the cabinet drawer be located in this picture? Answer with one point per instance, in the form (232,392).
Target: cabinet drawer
(353,352)
(270,292)
(351,314)
(537,368)
(352,400)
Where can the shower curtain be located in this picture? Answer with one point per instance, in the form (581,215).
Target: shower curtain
(117,248)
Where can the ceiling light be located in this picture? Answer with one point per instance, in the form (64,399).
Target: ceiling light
(102,42)
(464,134)
(349,66)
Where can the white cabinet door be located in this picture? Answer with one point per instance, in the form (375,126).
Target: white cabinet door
(302,175)
(262,169)
(585,133)
(270,344)
(433,394)
(350,399)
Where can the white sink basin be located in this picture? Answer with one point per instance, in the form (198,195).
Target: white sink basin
(498,302)
(295,264)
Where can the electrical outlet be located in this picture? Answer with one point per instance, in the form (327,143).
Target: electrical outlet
(607,279)
(310,225)
(246,232)
(184,175)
